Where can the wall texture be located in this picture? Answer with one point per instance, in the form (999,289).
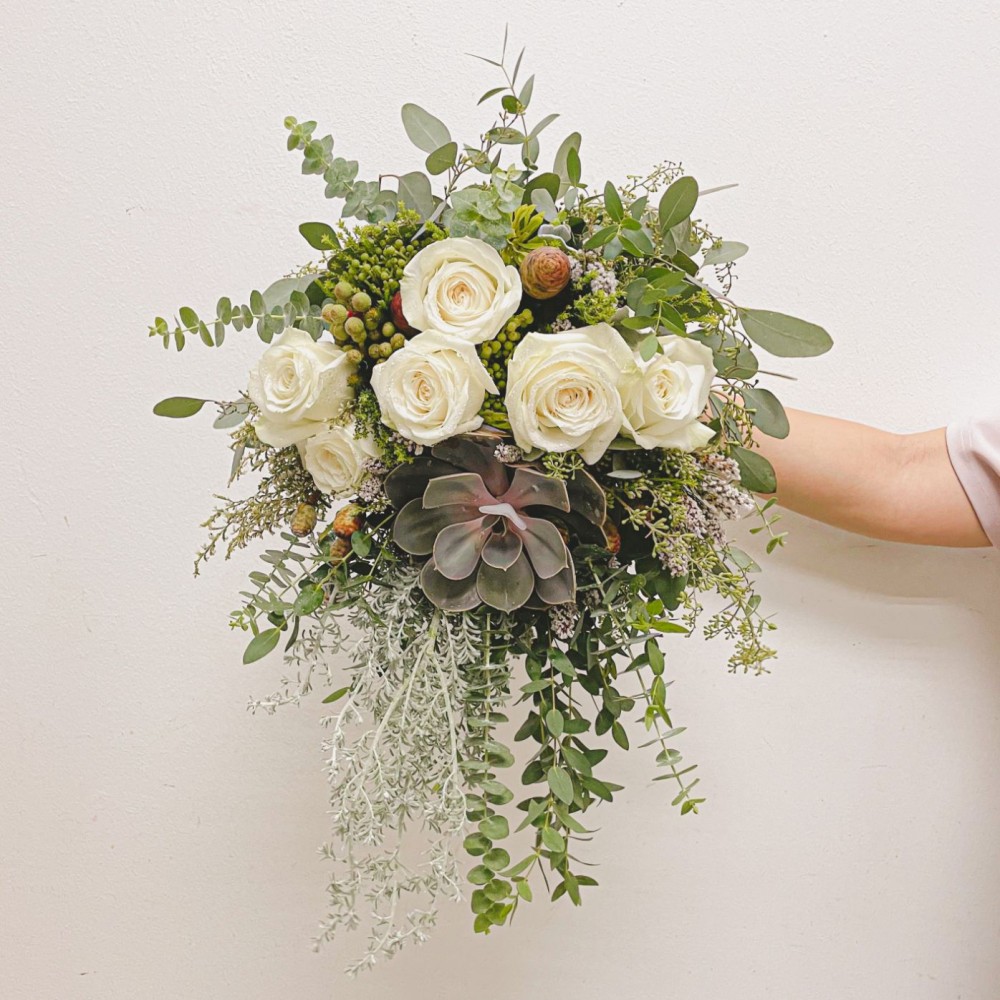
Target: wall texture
(157,841)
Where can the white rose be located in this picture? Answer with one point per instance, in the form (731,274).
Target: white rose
(432,388)
(663,403)
(297,386)
(563,390)
(460,286)
(335,459)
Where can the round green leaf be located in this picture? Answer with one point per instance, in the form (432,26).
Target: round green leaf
(784,336)
(178,406)
(725,253)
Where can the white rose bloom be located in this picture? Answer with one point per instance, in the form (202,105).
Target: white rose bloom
(298,385)
(335,458)
(432,388)
(460,286)
(663,404)
(563,390)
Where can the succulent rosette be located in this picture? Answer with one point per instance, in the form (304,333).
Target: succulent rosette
(499,427)
(492,532)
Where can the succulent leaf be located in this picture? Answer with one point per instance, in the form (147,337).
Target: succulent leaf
(506,589)
(475,454)
(415,529)
(407,482)
(449,595)
(544,546)
(530,488)
(501,549)
(587,498)
(458,546)
(460,488)
(558,589)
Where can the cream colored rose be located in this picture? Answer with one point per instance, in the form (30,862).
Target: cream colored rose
(432,388)
(335,459)
(460,286)
(298,385)
(563,390)
(663,404)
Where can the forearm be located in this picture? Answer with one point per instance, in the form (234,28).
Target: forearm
(899,487)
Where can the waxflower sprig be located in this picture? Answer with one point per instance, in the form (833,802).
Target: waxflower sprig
(500,426)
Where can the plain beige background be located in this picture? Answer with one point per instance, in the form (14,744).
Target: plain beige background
(157,841)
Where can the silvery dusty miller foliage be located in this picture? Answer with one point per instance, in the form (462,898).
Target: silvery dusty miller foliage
(518,536)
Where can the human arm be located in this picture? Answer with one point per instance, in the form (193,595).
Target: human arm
(898,487)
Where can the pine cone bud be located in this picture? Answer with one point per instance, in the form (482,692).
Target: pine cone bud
(545,272)
(348,520)
(396,308)
(303,520)
(339,550)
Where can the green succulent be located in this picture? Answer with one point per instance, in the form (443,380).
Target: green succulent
(492,533)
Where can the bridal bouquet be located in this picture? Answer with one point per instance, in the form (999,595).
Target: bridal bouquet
(496,434)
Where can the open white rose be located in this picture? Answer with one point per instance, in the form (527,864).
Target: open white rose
(460,286)
(297,386)
(663,404)
(335,458)
(563,390)
(432,388)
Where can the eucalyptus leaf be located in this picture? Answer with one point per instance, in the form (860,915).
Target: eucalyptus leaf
(415,192)
(756,472)
(425,131)
(784,336)
(768,414)
(443,158)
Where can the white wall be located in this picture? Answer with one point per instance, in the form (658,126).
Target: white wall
(157,841)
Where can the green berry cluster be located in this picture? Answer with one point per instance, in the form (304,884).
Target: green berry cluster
(495,354)
(358,326)
(371,258)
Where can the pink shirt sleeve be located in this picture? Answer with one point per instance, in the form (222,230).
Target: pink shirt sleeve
(974,450)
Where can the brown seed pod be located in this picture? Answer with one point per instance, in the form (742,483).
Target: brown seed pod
(612,537)
(303,520)
(348,520)
(339,550)
(545,272)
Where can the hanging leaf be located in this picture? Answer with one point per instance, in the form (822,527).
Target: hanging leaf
(178,406)
(561,783)
(613,202)
(262,644)
(768,414)
(784,336)
(678,202)
(424,130)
